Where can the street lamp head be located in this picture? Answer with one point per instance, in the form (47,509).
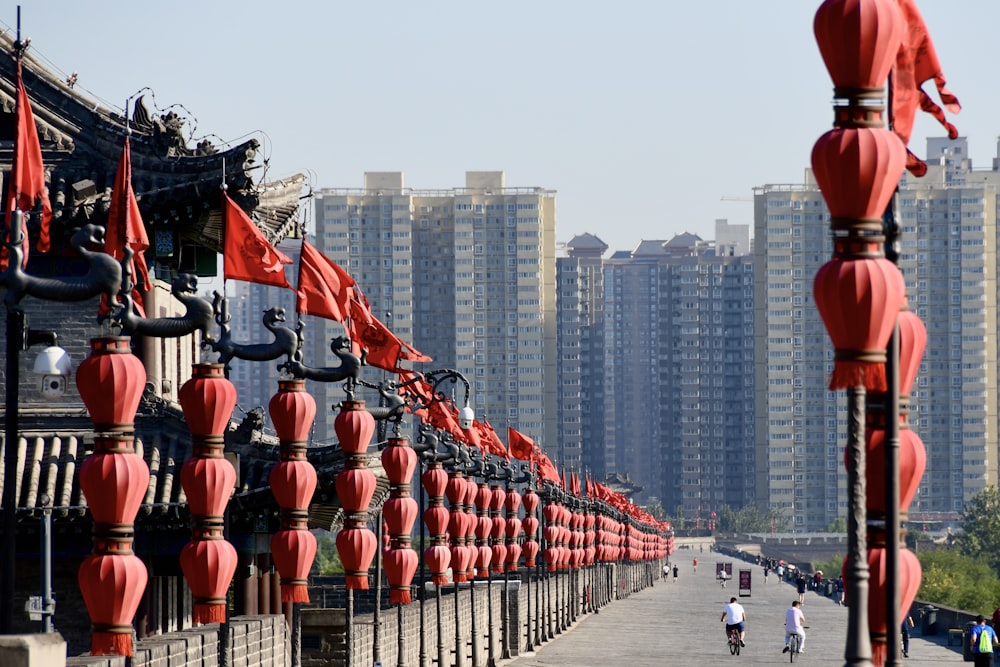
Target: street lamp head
(465,417)
(52,368)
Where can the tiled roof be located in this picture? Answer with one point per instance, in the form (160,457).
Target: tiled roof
(53,444)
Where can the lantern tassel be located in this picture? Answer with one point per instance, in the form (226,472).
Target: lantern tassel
(439,579)
(357,582)
(460,577)
(295,592)
(880,652)
(111,643)
(400,596)
(867,374)
(483,572)
(209,613)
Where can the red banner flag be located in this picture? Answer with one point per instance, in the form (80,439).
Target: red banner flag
(125,229)
(916,63)
(521,446)
(27,179)
(546,469)
(247,255)
(491,441)
(385,349)
(324,287)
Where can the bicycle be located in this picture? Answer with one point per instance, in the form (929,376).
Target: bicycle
(793,644)
(734,641)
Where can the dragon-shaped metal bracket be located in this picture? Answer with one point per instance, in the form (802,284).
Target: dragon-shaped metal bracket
(349,369)
(285,341)
(104,273)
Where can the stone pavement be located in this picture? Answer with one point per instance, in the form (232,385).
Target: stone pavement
(678,624)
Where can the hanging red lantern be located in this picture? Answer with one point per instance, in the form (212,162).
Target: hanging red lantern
(399,461)
(293,483)
(909,583)
(208,562)
(293,411)
(858,40)
(355,488)
(355,427)
(438,556)
(208,399)
(112,583)
(114,480)
(400,566)
(912,464)
(208,484)
(293,552)
(858,301)
(111,381)
(356,546)
(912,343)
(857,170)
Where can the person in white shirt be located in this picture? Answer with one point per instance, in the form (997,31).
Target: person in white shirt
(735,617)
(794,618)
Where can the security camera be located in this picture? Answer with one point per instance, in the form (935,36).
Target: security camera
(52,367)
(465,417)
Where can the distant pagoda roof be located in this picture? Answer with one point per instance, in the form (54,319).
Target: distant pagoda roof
(177,185)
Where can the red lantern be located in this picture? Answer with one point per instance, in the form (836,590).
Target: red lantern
(434,480)
(208,399)
(400,566)
(857,170)
(909,580)
(859,301)
(912,463)
(530,549)
(355,427)
(400,513)
(293,411)
(114,480)
(293,484)
(355,488)
(912,343)
(293,552)
(399,462)
(858,40)
(208,563)
(438,556)
(208,483)
(112,587)
(111,381)
(356,546)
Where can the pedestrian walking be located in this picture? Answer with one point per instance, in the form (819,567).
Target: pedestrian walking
(676,569)
(982,640)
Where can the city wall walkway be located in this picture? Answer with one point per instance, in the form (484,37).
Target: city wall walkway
(677,623)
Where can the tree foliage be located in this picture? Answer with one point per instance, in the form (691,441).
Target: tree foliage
(751,519)
(327,559)
(655,509)
(980,528)
(955,580)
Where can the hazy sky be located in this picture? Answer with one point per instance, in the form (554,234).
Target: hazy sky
(619,107)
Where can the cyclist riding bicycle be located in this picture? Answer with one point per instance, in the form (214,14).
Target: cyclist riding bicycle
(735,617)
(794,618)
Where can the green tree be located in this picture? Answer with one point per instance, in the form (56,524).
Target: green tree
(980,528)
(655,509)
(327,559)
(831,568)
(959,581)
(750,519)
(838,525)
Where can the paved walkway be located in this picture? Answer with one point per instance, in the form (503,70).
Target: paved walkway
(678,624)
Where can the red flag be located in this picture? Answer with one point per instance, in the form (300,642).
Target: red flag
(247,255)
(521,446)
(125,229)
(385,350)
(27,179)
(917,62)
(546,469)
(323,286)
(491,441)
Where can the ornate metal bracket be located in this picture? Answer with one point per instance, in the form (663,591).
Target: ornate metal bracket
(284,342)
(349,368)
(104,273)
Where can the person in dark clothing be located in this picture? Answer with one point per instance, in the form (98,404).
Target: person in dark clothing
(800,585)
(904,633)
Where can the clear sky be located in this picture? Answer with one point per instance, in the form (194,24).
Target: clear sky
(617,106)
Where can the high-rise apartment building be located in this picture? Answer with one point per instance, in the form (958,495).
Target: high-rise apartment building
(467,275)
(948,259)
(666,391)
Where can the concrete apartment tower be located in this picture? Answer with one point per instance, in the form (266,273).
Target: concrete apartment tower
(948,259)
(465,274)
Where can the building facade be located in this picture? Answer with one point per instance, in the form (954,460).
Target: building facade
(467,275)
(948,259)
